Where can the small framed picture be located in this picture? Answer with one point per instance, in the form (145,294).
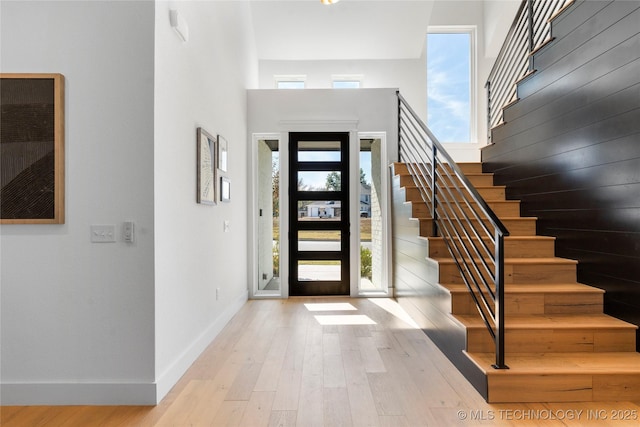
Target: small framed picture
(206,170)
(225,189)
(223,153)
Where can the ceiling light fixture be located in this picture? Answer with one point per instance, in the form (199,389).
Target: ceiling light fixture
(329,1)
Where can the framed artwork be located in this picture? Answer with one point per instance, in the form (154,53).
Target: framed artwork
(32,148)
(206,161)
(223,152)
(225,189)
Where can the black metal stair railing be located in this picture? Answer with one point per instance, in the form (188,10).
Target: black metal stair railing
(530,30)
(473,234)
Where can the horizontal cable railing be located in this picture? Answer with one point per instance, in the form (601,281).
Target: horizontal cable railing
(530,30)
(473,234)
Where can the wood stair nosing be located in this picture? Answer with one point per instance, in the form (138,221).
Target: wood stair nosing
(555,321)
(593,363)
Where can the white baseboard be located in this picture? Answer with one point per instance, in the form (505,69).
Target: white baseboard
(78,394)
(171,376)
(19,394)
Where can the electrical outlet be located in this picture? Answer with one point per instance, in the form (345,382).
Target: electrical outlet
(227,227)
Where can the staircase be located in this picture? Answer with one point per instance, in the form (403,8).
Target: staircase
(559,344)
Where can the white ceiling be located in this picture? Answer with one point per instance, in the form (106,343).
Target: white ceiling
(350,29)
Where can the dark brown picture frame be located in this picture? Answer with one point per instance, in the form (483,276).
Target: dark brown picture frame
(32,148)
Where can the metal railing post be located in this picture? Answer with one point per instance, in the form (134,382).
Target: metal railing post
(531,31)
(399,125)
(434,202)
(499,304)
(488,86)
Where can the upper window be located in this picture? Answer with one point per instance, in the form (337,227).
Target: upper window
(450,85)
(290,82)
(346,81)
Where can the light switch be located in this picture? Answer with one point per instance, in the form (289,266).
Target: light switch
(129,231)
(103,233)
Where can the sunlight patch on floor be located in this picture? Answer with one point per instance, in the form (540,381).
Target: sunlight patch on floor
(344,320)
(394,308)
(329,306)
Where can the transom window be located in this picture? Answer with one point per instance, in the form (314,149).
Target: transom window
(346,81)
(290,82)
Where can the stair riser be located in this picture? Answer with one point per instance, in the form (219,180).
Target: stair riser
(506,209)
(512,248)
(535,303)
(401,168)
(509,208)
(549,340)
(519,273)
(566,388)
(524,227)
(478,180)
(483,180)
(489,194)
(466,167)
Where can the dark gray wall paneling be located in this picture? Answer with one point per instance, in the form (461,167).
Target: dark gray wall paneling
(570,148)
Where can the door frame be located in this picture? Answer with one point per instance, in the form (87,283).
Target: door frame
(282,135)
(253,218)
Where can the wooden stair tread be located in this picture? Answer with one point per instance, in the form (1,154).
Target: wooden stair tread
(556,321)
(478,187)
(528,238)
(502,218)
(582,363)
(467,174)
(548,288)
(527,261)
(498,201)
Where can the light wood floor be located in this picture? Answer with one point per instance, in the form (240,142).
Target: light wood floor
(279,364)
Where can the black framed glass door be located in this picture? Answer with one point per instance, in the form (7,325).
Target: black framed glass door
(319,213)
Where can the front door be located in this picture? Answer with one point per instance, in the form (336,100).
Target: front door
(319,213)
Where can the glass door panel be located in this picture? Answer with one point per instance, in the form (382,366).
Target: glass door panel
(319,213)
